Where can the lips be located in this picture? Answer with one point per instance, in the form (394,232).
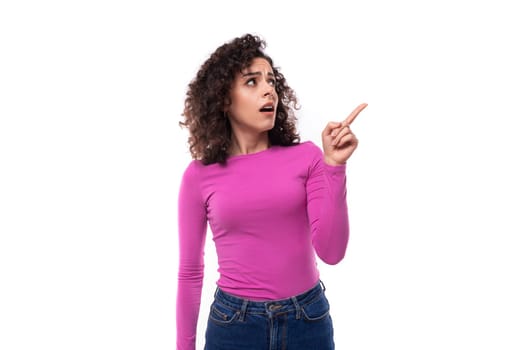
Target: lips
(267,107)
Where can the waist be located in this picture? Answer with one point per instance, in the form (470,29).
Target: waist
(281,305)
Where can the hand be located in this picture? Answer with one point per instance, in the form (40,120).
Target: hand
(338,140)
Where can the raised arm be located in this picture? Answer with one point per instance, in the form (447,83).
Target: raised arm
(327,209)
(326,190)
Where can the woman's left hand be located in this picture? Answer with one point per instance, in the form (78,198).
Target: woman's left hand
(338,140)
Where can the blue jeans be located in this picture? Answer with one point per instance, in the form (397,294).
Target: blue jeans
(301,322)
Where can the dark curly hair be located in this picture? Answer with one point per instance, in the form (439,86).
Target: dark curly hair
(209,93)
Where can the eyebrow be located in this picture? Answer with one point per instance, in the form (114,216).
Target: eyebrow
(251,74)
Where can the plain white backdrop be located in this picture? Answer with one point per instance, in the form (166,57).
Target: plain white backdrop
(91,157)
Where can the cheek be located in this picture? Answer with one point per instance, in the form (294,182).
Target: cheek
(241,104)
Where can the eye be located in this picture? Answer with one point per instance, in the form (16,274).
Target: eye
(272,82)
(250,82)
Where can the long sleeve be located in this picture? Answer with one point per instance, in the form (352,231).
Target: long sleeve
(327,209)
(192,234)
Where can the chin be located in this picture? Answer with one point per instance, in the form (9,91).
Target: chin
(264,125)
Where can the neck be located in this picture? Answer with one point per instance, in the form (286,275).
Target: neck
(246,144)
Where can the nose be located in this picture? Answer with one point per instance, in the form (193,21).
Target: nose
(269,91)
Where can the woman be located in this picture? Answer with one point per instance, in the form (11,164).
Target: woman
(272,204)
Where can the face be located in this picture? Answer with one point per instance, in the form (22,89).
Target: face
(253,98)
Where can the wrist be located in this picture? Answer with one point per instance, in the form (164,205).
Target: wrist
(332,162)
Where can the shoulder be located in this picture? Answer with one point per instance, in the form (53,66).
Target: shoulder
(310,146)
(308,149)
(302,147)
(193,171)
(196,171)
(190,190)
(306,155)
(194,167)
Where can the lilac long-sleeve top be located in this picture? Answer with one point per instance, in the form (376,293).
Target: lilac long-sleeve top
(270,213)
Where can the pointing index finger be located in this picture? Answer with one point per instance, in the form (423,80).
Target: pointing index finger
(354,114)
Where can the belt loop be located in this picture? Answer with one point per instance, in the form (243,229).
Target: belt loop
(297,308)
(243,310)
(216,291)
(322,285)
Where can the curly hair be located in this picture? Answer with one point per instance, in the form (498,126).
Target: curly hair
(209,93)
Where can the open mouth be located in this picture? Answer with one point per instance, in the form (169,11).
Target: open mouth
(267,108)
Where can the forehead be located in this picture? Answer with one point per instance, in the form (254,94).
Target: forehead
(259,64)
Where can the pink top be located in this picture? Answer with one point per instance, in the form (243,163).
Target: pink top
(269,213)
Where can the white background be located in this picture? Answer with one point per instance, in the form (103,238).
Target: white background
(91,157)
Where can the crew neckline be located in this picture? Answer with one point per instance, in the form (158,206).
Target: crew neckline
(253,154)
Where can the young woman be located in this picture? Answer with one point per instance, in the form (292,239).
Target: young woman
(272,203)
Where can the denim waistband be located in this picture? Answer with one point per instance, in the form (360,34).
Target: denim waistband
(293,303)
